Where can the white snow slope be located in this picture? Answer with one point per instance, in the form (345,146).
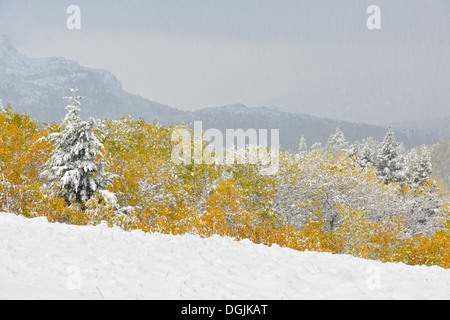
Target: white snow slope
(39,260)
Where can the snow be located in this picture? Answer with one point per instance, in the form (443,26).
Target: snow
(40,260)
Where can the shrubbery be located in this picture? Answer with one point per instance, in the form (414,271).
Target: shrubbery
(321,200)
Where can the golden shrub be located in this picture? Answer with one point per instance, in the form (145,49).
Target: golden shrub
(199,199)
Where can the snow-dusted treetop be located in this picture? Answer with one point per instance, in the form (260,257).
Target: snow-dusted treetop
(303,147)
(390,162)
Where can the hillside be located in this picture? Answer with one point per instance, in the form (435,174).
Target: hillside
(55,261)
(36,86)
(293,125)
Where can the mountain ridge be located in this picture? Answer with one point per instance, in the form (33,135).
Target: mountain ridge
(36,86)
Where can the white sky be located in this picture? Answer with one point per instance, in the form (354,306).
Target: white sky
(314,57)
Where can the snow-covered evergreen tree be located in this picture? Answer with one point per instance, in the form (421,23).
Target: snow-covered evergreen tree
(366,156)
(337,142)
(76,166)
(355,150)
(303,147)
(424,166)
(390,163)
(316,147)
(419,166)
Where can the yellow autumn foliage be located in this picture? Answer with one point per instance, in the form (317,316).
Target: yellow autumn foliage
(234,201)
(22,155)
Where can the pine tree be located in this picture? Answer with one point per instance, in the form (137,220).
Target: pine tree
(425,168)
(419,165)
(337,142)
(76,166)
(355,150)
(366,157)
(368,153)
(303,147)
(390,163)
(316,147)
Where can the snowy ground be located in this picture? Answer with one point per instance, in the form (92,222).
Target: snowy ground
(39,260)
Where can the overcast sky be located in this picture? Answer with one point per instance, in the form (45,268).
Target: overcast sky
(310,56)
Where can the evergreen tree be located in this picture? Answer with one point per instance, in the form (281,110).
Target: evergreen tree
(419,165)
(316,147)
(390,163)
(337,142)
(366,156)
(303,147)
(424,166)
(368,153)
(76,166)
(355,150)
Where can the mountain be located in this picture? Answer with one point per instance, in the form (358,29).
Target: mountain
(293,125)
(438,128)
(37,86)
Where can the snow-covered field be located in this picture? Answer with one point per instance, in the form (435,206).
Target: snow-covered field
(39,260)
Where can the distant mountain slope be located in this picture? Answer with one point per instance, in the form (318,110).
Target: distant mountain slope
(36,86)
(436,127)
(293,125)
